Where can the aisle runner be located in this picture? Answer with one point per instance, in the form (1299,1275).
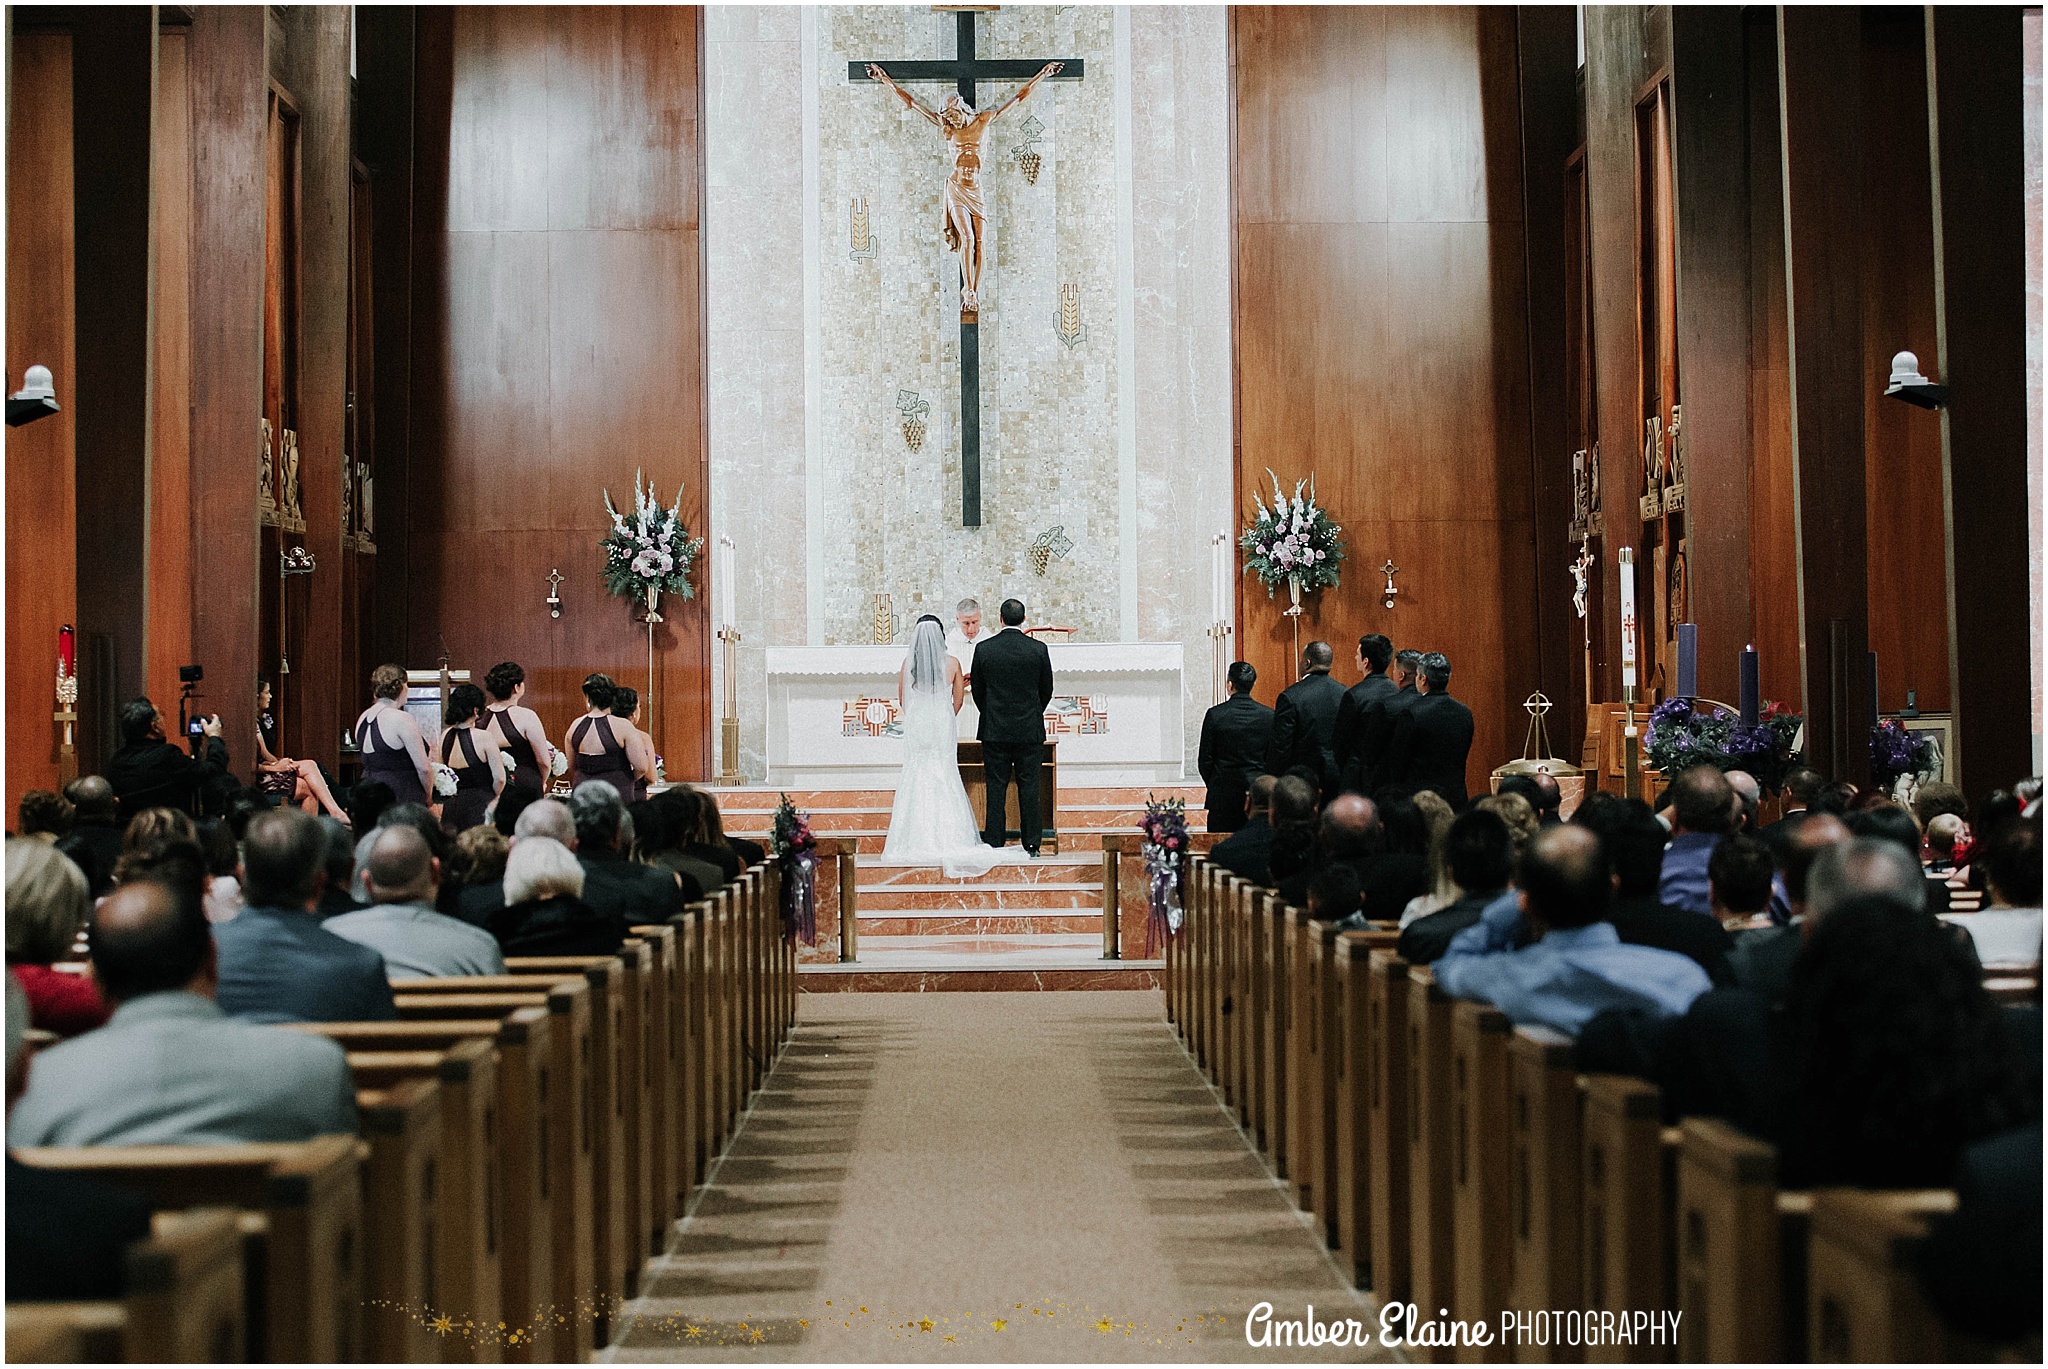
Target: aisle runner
(973,1177)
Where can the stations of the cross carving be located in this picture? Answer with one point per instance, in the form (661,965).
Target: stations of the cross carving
(962,128)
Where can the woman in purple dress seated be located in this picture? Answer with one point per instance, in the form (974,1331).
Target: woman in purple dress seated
(291,781)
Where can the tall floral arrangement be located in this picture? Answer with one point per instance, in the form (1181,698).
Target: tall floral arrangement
(1293,539)
(1680,737)
(1165,849)
(1898,753)
(796,851)
(649,551)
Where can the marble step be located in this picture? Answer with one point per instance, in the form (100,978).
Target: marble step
(971,924)
(1065,869)
(754,800)
(836,821)
(994,963)
(979,896)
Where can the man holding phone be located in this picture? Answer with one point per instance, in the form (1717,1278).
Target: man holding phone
(150,772)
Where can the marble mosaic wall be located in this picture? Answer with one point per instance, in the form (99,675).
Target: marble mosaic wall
(1117,431)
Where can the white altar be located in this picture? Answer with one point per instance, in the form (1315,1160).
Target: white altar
(1116,713)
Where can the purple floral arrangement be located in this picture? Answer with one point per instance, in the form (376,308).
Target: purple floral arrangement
(1896,751)
(796,850)
(648,550)
(1680,737)
(1165,826)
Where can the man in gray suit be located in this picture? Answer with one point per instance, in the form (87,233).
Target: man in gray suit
(171,1068)
(403,927)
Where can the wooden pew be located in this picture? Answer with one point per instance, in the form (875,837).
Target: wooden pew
(304,1291)
(611,1149)
(1728,1212)
(532,1118)
(1319,1084)
(185,1286)
(469,1253)
(1387,1123)
(401,1225)
(1255,1010)
(1269,931)
(1351,1046)
(667,1168)
(1481,1149)
(1299,1133)
(1626,1178)
(1432,1272)
(66,1333)
(698,1089)
(1864,1299)
(578,1131)
(1546,1200)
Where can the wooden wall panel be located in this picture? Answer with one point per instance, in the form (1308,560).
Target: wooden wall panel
(1976,74)
(169,640)
(41,495)
(111,166)
(1902,444)
(227,74)
(1382,333)
(557,344)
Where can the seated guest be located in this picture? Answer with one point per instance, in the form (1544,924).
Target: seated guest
(1233,749)
(170,1068)
(544,913)
(1348,833)
(278,775)
(44,816)
(1294,828)
(1887,821)
(1980,1266)
(1334,895)
(402,925)
(339,894)
(704,838)
(1702,812)
(1244,853)
(67,1236)
(95,830)
(2012,865)
(151,830)
(1481,856)
(511,804)
(486,848)
(1514,810)
(712,837)
(614,885)
(676,813)
(1749,797)
(454,870)
(1400,871)
(1934,798)
(1634,841)
(1541,793)
(223,857)
(277,963)
(1442,890)
(1577,965)
(46,905)
(1739,879)
(1946,834)
(549,818)
(367,800)
(1835,799)
(1830,867)
(149,772)
(656,842)
(1802,786)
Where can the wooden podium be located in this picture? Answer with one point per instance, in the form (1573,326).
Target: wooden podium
(975,778)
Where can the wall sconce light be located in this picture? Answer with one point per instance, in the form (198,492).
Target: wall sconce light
(1908,384)
(37,398)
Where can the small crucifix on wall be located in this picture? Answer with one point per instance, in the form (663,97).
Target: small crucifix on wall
(961,201)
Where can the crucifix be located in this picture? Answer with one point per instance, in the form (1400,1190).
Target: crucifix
(961,202)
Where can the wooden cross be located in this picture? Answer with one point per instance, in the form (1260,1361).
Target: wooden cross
(962,72)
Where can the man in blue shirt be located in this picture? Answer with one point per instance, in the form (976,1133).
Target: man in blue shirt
(277,963)
(1703,806)
(1578,965)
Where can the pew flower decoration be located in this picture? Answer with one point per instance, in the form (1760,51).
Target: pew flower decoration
(1165,849)
(796,851)
(648,551)
(1687,732)
(1896,754)
(1292,542)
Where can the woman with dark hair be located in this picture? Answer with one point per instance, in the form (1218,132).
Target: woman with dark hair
(704,835)
(639,746)
(289,781)
(655,843)
(223,861)
(475,757)
(517,727)
(367,800)
(679,808)
(394,749)
(1893,1057)
(596,751)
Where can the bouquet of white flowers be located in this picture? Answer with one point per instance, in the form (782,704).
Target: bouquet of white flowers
(650,551)
(444,780)
(1294,540)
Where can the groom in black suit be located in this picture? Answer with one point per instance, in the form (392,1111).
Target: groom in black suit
(1012,685)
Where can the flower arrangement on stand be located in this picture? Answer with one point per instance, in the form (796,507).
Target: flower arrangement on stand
(1681,736)
(1293,542)
(796,850)
(1165,826)
(650,551)
(1901,759)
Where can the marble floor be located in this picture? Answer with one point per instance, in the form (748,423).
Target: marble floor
(984,1177)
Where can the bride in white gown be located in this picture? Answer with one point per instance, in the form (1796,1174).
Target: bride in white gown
(932,822)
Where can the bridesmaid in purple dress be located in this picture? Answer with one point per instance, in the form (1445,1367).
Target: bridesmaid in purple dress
(596,748)
(394,750)
(474,755)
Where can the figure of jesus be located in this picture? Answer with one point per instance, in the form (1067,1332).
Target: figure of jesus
(960,205)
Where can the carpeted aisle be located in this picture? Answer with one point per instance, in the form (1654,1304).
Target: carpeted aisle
(961,1176)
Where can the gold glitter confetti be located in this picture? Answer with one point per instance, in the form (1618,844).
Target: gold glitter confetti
(1104,1325)
(998,1324)
(925,1325)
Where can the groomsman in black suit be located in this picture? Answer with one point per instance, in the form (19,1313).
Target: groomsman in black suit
(1305,721)
(1376,722)
(1234,737)
(1012,684)
(1433,736)
(1375,654)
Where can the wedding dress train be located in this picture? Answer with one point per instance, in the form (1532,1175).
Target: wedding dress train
(931,822)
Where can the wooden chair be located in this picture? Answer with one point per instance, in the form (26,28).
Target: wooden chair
(401,1223)
(304,1289)
(1545,1198)
(1626,1180)
(531,1118)
(1864,1299)
(1387,1123)
(1481,1148)
(469,1220)
(1432,1272)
